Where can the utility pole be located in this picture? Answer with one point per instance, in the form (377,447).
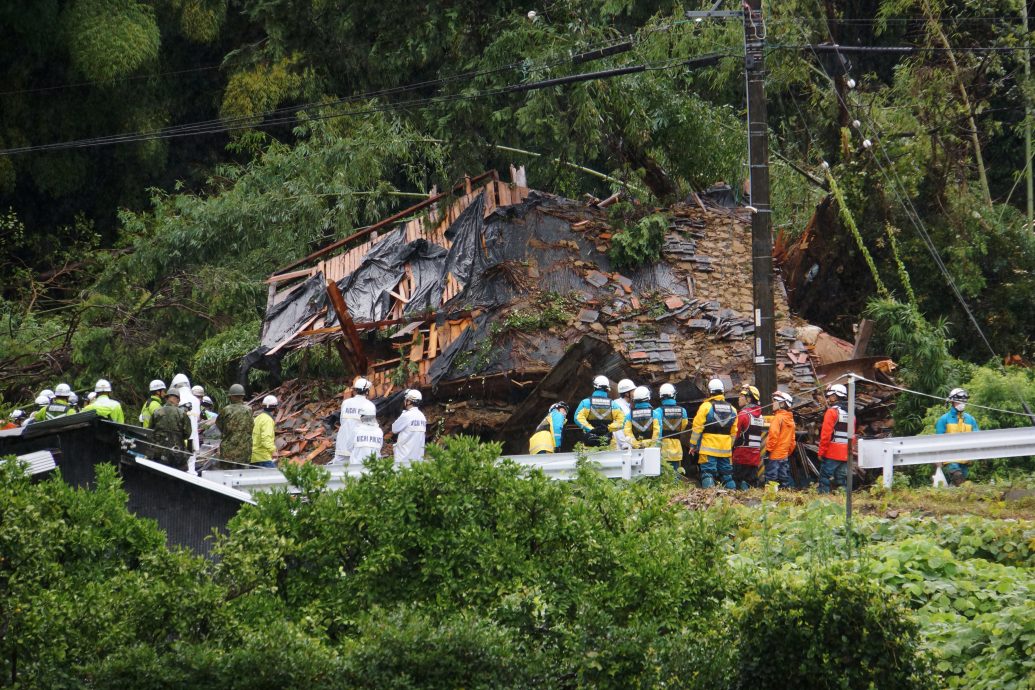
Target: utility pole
(1026,91)
(761,221)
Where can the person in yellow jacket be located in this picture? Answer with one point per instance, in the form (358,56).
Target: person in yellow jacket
(673,421)
(642,429)
(263,434)
(550,432)
(715,428)
(599,416)
(779,442)
(105,406)
(154,403)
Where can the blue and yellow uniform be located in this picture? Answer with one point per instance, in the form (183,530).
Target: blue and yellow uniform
(598,416)
(549,434)
(955,422)
(715,427)
(673,421)
(642,428)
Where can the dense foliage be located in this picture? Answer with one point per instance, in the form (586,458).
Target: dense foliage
(462,572)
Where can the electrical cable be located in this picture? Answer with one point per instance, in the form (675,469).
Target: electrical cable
(198,129)
(939,397)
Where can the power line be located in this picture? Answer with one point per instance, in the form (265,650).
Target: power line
(317,111)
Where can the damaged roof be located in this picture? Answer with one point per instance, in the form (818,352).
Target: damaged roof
(498,292)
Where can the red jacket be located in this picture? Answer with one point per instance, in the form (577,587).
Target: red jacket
(749,436)
(833,437)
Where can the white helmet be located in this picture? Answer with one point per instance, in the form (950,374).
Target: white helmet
(268,401)
(667,390)
(179,381)
(49,393)
(91,396)
(716,386)
(641,393)
(837,389)
(601,383)
(958,395)
(413,395)
(156,385)
(63,390)
(366,408)
(198,392)
(42,399)
(205,400)
(73,398)
(361,385)
(16,415)
(781,397)
(102,386)
(624,386)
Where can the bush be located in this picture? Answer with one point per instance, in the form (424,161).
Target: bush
(831,630)
(636,243)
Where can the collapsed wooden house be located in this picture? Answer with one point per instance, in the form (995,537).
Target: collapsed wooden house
(495,293)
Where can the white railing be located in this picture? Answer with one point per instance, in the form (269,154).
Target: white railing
(559,466)
(888,453)
(38,462)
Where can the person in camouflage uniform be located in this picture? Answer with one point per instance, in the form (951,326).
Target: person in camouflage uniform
(170,428)
(235,424)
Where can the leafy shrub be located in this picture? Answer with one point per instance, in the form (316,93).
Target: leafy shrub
(830,630)
(635,242)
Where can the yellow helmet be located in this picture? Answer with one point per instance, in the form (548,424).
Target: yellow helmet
(750,392)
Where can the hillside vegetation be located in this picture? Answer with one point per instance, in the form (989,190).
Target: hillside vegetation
(463,573)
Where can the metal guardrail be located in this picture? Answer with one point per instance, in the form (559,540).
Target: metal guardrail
(888,453)
(558,466)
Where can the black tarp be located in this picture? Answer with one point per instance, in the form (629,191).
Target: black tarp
(286,317)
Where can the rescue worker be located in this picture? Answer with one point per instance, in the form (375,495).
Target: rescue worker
(624,400)
(264,445)
(73,400)
(367,437)
(198,392)
(673,422)
(833,440)
(41,409)
(191,405)
(59,406)
(47,393)
(780,441)
(157,390)
(236,423)
(170,432)
(103,405)
(207,423)
(642,429)
(348,420)
(14,420)
(957,421)
(90,397)
(410,430)
(715,427)
(747,449)
(549,435)
(598,416)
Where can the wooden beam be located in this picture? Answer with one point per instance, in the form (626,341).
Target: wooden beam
(351,343)
(281,277)
(862,338)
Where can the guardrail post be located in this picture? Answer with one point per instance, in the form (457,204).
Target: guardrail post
(889,467)
(851,449)
(627,464)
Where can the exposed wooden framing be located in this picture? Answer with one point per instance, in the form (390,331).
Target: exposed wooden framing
(363,232)
(352,348)
(285,341)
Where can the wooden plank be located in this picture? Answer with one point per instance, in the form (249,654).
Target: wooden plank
(279,278)
(352,344)
(862,338)
(417,347)
(432,340)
